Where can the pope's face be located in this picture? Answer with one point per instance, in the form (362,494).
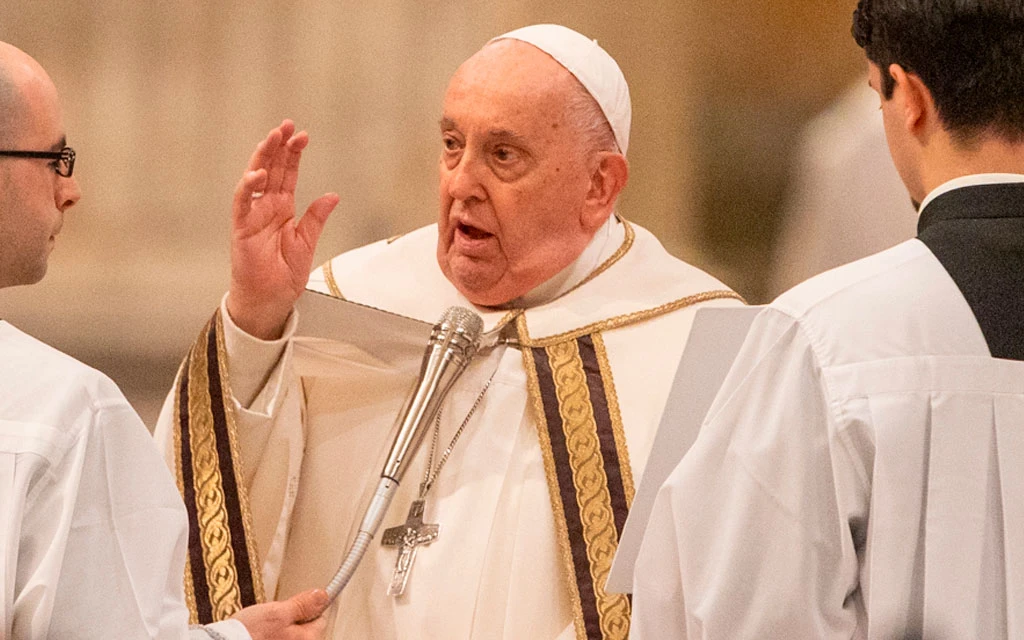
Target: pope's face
(33,197)
(514,175)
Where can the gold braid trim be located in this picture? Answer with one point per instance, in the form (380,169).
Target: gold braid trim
(627,244)
(625,467)
(218,556)
(190,595)
(590,480)
(549,470)
(332,284)
(227,401)
(630,318)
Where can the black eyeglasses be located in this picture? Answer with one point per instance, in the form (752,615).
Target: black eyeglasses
(65,159)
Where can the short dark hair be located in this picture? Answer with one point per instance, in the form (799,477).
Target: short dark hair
(969,53)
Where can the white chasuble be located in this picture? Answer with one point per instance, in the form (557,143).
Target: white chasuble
(314,439)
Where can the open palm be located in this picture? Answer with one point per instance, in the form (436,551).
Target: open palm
(271,251)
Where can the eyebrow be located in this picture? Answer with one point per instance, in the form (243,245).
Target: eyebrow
(60,144)
(506,134)
(496,134)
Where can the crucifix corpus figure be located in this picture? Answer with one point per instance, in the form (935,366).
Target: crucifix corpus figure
(408,537)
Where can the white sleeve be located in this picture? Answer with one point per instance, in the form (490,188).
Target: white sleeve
(658,607)
(37,498)
(93,533)
(756,518)
(225,630)
(253,364)
(121,574)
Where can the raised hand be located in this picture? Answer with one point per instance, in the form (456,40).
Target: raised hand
(271,251)
(297,618)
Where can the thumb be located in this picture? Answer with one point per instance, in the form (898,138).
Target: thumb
(307,606)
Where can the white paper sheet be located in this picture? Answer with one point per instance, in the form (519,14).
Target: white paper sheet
(325,317)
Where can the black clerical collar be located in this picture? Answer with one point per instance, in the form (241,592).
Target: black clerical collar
(977,233)
(998,200)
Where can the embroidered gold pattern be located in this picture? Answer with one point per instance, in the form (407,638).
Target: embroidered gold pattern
(255,568)
(177,432)
(590,480)
(218,556)
(549,470)
(625,469)
(332,284)
(631,318)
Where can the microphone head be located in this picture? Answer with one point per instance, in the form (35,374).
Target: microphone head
(453,343)
(462,320)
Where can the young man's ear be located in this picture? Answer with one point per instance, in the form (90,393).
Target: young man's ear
(914,99)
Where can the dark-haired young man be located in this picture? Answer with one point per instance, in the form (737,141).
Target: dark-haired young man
(861,472)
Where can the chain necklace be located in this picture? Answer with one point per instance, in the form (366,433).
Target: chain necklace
(430,476)
(408,537)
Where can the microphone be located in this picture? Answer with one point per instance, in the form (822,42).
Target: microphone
(452,345)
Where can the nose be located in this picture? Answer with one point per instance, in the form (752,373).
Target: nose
(463,181)
(67,193)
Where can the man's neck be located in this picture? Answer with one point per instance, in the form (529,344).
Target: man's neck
(949,160)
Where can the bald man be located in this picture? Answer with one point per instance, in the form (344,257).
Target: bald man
(534,454)
(92,531)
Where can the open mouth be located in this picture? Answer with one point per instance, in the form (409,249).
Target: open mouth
(473,233)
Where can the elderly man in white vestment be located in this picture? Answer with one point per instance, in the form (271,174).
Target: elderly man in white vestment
(539,441)
(92,531)
(860,473)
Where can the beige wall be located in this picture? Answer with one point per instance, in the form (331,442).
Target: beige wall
(164,101)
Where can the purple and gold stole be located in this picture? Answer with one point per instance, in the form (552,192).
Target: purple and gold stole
(222,573)
(582,442)
(586,461)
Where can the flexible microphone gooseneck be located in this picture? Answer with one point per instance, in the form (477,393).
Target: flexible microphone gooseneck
(452,345)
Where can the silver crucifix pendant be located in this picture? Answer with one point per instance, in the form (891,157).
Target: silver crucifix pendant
(407,537)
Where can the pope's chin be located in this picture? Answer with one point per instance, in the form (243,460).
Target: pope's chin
(478,280)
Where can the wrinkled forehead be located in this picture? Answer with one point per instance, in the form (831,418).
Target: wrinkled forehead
(511,74)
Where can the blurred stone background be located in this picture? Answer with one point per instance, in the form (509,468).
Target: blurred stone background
(164,102)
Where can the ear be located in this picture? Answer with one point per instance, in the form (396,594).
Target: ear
(915,101)
(608,178)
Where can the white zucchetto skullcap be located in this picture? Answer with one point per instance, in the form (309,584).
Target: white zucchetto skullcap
(593,67)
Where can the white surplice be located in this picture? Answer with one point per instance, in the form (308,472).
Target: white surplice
(92,529)
(859,475)
(314,439)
